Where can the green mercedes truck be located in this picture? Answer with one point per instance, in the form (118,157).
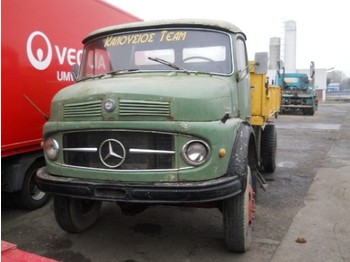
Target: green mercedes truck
(161,113)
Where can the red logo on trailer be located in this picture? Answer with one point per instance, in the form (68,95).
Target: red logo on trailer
(40,53)
(38,60)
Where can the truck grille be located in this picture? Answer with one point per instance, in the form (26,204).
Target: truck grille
(143,108)
(119,150)
(91,110)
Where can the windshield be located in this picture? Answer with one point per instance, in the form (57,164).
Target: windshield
(166,49)
(297,82)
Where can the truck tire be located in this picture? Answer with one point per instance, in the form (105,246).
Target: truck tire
(311,112)
(76,215)
(30,197)
(308,111)
(269,148)
(238,215)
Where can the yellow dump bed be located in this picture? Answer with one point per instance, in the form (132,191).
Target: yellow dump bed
(266,99)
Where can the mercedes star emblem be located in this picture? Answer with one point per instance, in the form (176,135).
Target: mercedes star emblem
(109,105)
(112,153)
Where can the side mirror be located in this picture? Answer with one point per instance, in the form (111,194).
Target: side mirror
(75,71)
(260,66)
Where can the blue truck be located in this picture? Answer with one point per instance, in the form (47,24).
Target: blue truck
(298,91)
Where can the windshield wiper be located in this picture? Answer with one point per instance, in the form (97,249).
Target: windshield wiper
(172,65)
(167,63)
(121,71)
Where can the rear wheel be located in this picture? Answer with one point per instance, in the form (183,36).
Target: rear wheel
(76,215)
(269,148)
(238,216)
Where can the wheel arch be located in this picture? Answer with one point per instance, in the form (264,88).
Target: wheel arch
(244,153)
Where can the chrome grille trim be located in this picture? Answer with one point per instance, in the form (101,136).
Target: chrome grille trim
(149,151)
(82,149)
(143,108)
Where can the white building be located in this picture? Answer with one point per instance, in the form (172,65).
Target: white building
(290,43)
(274,52)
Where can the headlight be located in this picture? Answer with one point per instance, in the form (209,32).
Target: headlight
(51,148)
(196,152)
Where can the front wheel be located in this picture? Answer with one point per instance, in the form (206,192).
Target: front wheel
(76,215)
(238,216)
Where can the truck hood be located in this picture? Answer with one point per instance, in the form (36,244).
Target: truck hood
(177,97)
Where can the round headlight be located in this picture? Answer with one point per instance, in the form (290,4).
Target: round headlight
(196,152)
(51,148)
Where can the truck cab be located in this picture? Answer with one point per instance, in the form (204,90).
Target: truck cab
(160,114)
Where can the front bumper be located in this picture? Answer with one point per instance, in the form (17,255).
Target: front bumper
(298,101)
(291,106)
(171,193)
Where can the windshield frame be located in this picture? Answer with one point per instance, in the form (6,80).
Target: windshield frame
(228,45)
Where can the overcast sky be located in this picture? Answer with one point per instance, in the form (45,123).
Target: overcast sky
(323,33)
